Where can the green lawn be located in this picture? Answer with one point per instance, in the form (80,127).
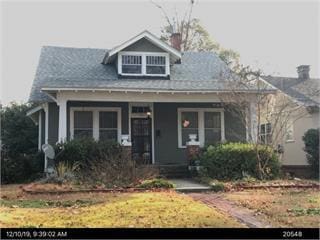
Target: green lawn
(149,209)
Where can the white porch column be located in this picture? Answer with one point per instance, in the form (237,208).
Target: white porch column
(62,120)
(253,122)
(40,131)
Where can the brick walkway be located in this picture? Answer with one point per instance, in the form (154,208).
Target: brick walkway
(242,214)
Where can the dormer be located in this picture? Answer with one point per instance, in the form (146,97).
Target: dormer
(143,55)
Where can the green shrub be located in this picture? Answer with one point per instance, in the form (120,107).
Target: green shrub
(311,142)
(231,161)
(217,186)
(156,183)
(20,161)
(21,168)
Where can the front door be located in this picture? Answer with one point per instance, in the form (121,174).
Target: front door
(141,138)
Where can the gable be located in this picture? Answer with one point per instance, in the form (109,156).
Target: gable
(143,45)
(135,42)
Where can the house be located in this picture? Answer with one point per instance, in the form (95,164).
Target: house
(300,97)
(143,93)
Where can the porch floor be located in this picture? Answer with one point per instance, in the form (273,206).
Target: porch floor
(188,185)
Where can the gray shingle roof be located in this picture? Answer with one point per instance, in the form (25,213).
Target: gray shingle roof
(305,91)
(62,67)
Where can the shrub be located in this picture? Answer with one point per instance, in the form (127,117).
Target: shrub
(156,183)
(20,161)
(21,167)
(311,142)
(102,162)
(232,161)
(217,186)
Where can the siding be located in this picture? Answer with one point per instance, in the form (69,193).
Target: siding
(166,122)
(43,127)
(53,123)
(143,45)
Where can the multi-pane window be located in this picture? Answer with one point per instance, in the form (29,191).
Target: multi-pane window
(189,125)
(108,126)
(212,127)
(144,63)
(132,64)
(265,133)
(97,123)
(156,65)
(83,124)
(207,124)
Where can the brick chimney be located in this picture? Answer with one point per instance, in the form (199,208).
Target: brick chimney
(175,41)
(303,71)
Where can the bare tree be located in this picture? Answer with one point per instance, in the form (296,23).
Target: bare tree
(254,102)
(194,37)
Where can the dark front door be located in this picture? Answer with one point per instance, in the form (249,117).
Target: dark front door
(141,138)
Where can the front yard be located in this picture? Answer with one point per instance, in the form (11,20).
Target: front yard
(281,207)
(147,209)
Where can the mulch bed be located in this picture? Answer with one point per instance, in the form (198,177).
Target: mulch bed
(34,189)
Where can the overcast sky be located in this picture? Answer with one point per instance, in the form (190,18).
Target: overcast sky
(275,36)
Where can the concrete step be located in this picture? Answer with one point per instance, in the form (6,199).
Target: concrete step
(179,171)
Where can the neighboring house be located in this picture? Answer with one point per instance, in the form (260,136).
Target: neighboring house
(300,97)
(144,90)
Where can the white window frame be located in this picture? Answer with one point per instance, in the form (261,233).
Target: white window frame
(144,63)
(265,134)
(201,129)
(95,114)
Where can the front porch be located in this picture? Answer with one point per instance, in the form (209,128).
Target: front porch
(157,124)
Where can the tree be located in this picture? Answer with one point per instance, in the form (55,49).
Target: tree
(250,93)
(311,142)
(194,37)
(19,134)
(20,159)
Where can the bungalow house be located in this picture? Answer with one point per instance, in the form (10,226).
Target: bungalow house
(299,96)
(143,93)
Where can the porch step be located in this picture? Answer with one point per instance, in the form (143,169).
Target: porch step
(174,171)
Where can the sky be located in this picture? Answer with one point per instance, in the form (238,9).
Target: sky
(274,36)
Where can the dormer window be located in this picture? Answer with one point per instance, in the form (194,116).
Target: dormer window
(131,64)
(143,64)
(156,65)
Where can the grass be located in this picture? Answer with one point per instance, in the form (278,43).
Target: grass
(46,204)
(148,209)
(282,208)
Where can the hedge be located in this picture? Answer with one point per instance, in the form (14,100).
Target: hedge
(231,161)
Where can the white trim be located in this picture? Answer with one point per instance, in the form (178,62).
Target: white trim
(253,122)
(139,97)
(143,63)
(46,112)
(34,110)
(75,89)
(62,103)
(137,115)
(40,131)
(95,114)
(149,36)
(201,128)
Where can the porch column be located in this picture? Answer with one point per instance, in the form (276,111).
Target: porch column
(62,120)
(253,122)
